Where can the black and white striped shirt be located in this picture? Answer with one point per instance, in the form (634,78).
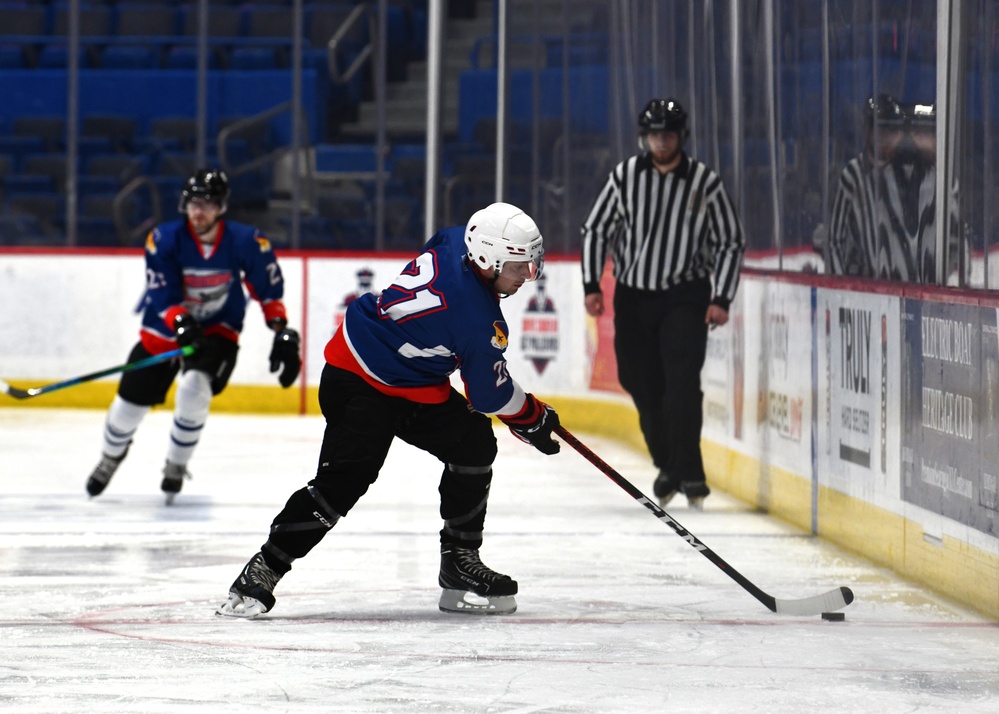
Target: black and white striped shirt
(664,229)
(883,223)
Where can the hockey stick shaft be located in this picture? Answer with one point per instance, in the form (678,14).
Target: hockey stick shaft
(827,602)
(138,364)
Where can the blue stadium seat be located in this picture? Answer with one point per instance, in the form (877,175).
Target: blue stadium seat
(129,57)
(96,185)
(56,56)
(49,165)
(18,146)
(25,184)
(345,158)
(250,58)
(11,57)
(186,57)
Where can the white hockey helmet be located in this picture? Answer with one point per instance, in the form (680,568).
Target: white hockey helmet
(500,233)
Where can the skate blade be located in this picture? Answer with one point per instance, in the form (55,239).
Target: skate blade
(696,504)
(666,498)
(170,498)
(246,608)
(469,603)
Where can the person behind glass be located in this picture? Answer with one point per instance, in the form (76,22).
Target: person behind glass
(387,376)
(883,222)
(677,248)
(195,270)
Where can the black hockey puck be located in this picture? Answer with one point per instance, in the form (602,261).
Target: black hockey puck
(833,616)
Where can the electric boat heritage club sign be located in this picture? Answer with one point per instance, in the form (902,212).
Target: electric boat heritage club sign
(950,390)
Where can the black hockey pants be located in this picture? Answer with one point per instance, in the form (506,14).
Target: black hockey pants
(361,424)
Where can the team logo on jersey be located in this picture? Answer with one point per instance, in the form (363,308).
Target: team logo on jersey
(206,291)
(265,245)
(502,337)
(151,243)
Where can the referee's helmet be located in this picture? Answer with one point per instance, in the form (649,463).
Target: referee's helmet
(664,115)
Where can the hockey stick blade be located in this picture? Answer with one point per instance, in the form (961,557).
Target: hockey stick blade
(139,364)
(827,602)
(13,391)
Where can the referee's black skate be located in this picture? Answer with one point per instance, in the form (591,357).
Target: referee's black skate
(696,492)
(103,472)
(173,480)
(471,587)
(665,489)
(252,593)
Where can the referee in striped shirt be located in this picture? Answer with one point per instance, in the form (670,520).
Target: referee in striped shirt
(677,248)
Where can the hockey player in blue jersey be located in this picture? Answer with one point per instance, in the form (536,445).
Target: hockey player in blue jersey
(387,376)
(195,270)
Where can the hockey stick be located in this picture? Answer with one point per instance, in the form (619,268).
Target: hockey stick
(827,602)
(139,364)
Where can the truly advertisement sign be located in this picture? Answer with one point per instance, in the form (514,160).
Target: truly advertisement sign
(857,343)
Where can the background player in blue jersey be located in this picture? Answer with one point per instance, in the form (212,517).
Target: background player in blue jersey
(195,270)
(388,375)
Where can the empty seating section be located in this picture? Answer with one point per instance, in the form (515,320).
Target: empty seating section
(137,87)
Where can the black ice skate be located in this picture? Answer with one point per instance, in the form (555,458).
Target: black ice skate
(252,593)
(696,492)
(173,480)
(665,489)
(103,472)
(471,587)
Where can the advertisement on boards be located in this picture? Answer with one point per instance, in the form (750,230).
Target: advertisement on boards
(949,363)
(857,339)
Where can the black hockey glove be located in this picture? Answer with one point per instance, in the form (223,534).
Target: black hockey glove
(285,352)
(534,425)
(188,331)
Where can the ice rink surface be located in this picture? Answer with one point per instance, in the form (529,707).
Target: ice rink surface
(108,604)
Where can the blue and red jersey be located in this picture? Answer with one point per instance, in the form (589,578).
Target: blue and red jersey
(182,275)
(437,316)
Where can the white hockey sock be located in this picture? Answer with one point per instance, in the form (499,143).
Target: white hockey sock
(193,398)
(122,420)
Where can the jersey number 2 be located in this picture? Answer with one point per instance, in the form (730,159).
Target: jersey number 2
(411,294)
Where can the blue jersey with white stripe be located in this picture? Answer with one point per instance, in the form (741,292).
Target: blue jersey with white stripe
(208,282)
(436,317)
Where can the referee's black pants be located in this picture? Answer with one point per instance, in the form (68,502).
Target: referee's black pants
(660,339)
